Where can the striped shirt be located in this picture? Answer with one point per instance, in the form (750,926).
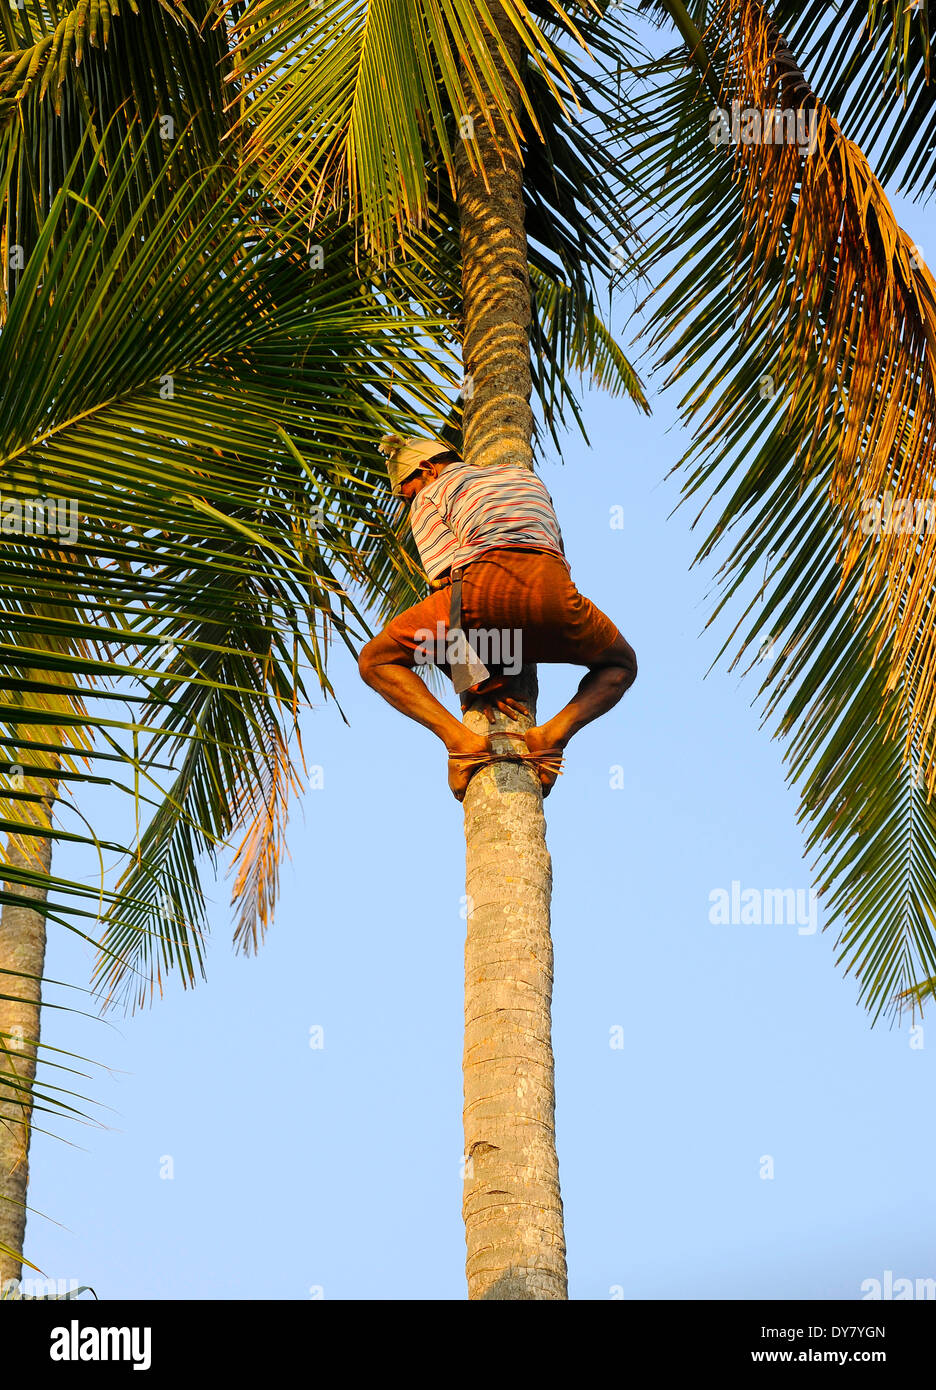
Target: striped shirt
(467,511)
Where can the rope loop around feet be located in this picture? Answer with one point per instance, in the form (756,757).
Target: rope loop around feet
(549,759)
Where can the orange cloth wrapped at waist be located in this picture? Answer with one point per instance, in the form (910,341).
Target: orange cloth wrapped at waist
(522,591)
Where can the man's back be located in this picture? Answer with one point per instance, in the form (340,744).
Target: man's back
(467,511)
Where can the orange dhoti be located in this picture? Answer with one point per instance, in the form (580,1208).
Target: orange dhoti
(519,607)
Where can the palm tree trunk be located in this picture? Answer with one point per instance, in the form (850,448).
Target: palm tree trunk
(22,950)
(512,1207)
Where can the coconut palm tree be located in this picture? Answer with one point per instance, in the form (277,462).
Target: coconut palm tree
(410,118)
(200,374)
(462,131)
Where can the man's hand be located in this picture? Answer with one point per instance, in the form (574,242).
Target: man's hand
(493,694)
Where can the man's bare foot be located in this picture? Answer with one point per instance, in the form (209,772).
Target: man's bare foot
(539,740)
(461,772)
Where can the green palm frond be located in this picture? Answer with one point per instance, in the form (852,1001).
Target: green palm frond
(152,63)
(44,58)
(211,465)
(567,340)
(748,395)
(344,103)
(907,30)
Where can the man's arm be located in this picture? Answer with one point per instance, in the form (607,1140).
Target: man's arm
(434,538)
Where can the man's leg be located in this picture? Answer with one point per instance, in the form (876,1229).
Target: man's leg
(608,678)
(387,667)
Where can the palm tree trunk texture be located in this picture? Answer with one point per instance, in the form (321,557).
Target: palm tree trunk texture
(22,950)
(512,1207)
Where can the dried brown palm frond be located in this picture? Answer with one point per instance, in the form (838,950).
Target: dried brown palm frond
(265,811)
(856,297)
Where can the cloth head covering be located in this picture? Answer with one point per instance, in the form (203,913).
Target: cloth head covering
(406,456)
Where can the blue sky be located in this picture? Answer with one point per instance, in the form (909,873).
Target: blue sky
(302,1172)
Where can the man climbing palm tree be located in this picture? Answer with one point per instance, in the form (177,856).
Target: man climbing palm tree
(492,551)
